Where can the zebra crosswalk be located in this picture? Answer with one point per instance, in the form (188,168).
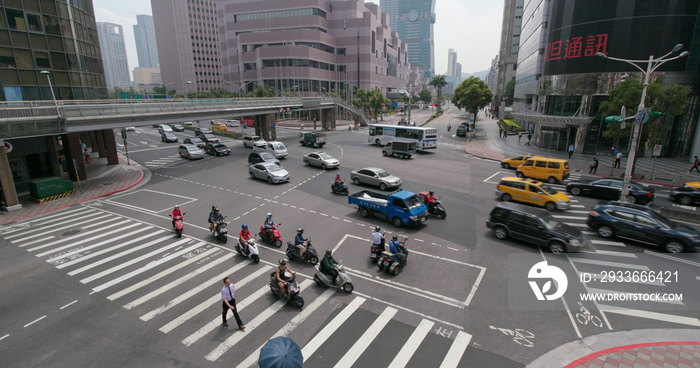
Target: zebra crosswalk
(172,284)
(160,162)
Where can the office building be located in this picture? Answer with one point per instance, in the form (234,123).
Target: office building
(188,44)
(114,55)
(414,25)
(451,63)
(390,7)
(309,47)
(146,78)
(145,37)
(508,51)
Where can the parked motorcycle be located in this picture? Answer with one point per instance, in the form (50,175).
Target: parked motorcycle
(276,239)
(178,225)
(291,287)
(392,263)
(221,232)
(252,250)
(310,255)
(343,189)
(343,281)
(437,209)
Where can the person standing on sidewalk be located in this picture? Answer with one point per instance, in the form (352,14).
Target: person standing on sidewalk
(618,159)
(520,136)
(87,156)
(228,302)
(594,166)
(529,138)
(571,150)
(696,163)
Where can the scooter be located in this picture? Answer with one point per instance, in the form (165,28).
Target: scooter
(437,209)
(221,232)
(391,263)
(342,190)
(252,250)
(310,255)
(375,250)
(178,225)
(291,287)
(276,238)
(342,282)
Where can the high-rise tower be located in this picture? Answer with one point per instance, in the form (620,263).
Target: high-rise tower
(145,36)
(114,55)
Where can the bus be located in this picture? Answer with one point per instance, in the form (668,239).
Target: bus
(381,134)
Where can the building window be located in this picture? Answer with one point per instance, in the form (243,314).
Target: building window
(51,25)
(341,51)
(7,60)
(42,60)
(15,20)
(34,22)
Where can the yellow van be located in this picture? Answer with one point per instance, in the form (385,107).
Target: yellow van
(219,126)
(532,192)
(552,170)
(514,162)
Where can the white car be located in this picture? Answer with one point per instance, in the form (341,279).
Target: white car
(269,171)
(130,129)
(254,141)
(277,148)
(164,128)
(190,151)
(321,159)
(233,123)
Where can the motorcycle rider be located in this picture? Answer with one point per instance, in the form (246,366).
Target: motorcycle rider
(301,242)
(280,275)
(377,237)
(214,217)
(268,224)
(329,265)
(397,249)
(430,200)
(338,183)
(176,212)
(243,238)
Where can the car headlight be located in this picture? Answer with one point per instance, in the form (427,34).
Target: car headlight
(414,218)
(574,242)
(695,239)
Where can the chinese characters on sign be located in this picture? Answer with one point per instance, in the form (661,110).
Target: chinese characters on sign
(577,47)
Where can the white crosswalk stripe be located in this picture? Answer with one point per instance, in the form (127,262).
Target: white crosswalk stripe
(363,342)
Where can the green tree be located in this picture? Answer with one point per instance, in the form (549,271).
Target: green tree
(361,98)
(159,90)
(438,82)
(376,102)
(509,92)
(472,95)
(260,91)
(425,96)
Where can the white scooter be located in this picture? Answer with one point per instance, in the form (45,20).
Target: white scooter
(343,280)
(252,250)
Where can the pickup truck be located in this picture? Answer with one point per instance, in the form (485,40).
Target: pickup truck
(312,139)
(401,148)
(401,207)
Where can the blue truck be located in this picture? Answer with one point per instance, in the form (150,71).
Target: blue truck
(401,207)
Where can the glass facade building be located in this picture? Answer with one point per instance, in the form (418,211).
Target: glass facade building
(145,37)
(114,55)
(414,25)
(49,35)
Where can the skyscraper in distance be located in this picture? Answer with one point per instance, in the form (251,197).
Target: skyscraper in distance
(415,27)
(113,51)
(145,36)
(452,63)
(390,7)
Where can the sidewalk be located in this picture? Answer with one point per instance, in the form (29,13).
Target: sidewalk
(643,348)
(487,144)
(103,180)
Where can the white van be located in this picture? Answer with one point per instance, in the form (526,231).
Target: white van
(278,149)
(164,128)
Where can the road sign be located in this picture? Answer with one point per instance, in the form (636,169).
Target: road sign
(281,110)
(288,109)
(638,120)
(273,126)
(657,150)
(623,111)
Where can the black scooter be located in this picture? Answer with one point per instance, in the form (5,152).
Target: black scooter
(290,286)
(437,209)
(341,188)
(221,230)
(310,255)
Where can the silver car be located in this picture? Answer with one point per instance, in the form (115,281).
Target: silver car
(321,159)
(190,151)
(375,176)
(269,171)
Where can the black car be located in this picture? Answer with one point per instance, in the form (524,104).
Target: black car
(256,157)
(177,128)
(687,193)
(196,141)
(610,188)
(535,226)
(168,137)
(642,224)
(200,131)
(209,138)
(217,149)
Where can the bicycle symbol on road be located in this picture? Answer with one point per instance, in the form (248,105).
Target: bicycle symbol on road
(584,316)
(519,335)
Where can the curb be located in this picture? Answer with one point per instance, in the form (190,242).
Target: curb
(626,347)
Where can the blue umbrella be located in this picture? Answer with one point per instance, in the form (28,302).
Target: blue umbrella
(280,352)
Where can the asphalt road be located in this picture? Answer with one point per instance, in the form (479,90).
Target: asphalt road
(106,283)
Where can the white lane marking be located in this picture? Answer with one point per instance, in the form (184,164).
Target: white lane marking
(6,335)
(71,245)
(454,355)
(577,211)
(570,217)
(38,222)
(411,345)
(107,250)
(611,264)
(290,326)
(651,315)
(606,242)
(69,304)
(34,321)
(576,224)
(216,322)
(323,335)
(97,245)
(78,236)
(672,258)
(616,254)
(119,255)
(366,339)
(250,326)
(41,230)
(489,178)
(323,214)
(455,249)
(577,206)
(419,240)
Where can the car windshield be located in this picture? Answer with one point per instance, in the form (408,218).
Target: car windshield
(273,167)
(325,156)
(266,156)
(279,146)
(208,136)
(413,202)
(192,148)
(170,135)
(195,140)
(547,189)
(549,221)
(219,145)
(257,139)
(382,173)
(177,126)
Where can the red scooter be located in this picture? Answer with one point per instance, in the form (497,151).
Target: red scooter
(276,239)
(178,225)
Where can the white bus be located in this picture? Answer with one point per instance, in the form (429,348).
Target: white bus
(381,134)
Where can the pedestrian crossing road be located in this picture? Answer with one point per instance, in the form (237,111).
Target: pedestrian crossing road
(172,285)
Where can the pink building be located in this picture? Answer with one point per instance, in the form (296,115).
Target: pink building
(309,46)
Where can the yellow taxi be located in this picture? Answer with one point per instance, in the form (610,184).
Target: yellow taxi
(219,126)
(532,192)
(553,170)
(514,162)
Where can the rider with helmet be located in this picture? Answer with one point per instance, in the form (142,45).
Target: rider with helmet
(280,275)
(214,216)
(430,200)
(268,224)
(377,237)
(338,183)
(329,265)
(243,238)
(176,213)
(397,249)
(301,242)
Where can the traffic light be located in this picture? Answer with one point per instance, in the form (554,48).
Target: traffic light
(613,119)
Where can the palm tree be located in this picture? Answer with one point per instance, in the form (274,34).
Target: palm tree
(438,82)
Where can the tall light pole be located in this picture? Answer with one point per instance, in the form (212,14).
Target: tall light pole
(46,72)
(239,87)
(166,88)
(652,65)
(187,84)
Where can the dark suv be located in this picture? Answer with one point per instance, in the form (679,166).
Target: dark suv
(534,226)
(642,224)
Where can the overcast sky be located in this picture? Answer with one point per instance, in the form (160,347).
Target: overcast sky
(471,27)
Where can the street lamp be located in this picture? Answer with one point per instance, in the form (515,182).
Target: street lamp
(46,72)
(187,84)
(652,65)
(241,86)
